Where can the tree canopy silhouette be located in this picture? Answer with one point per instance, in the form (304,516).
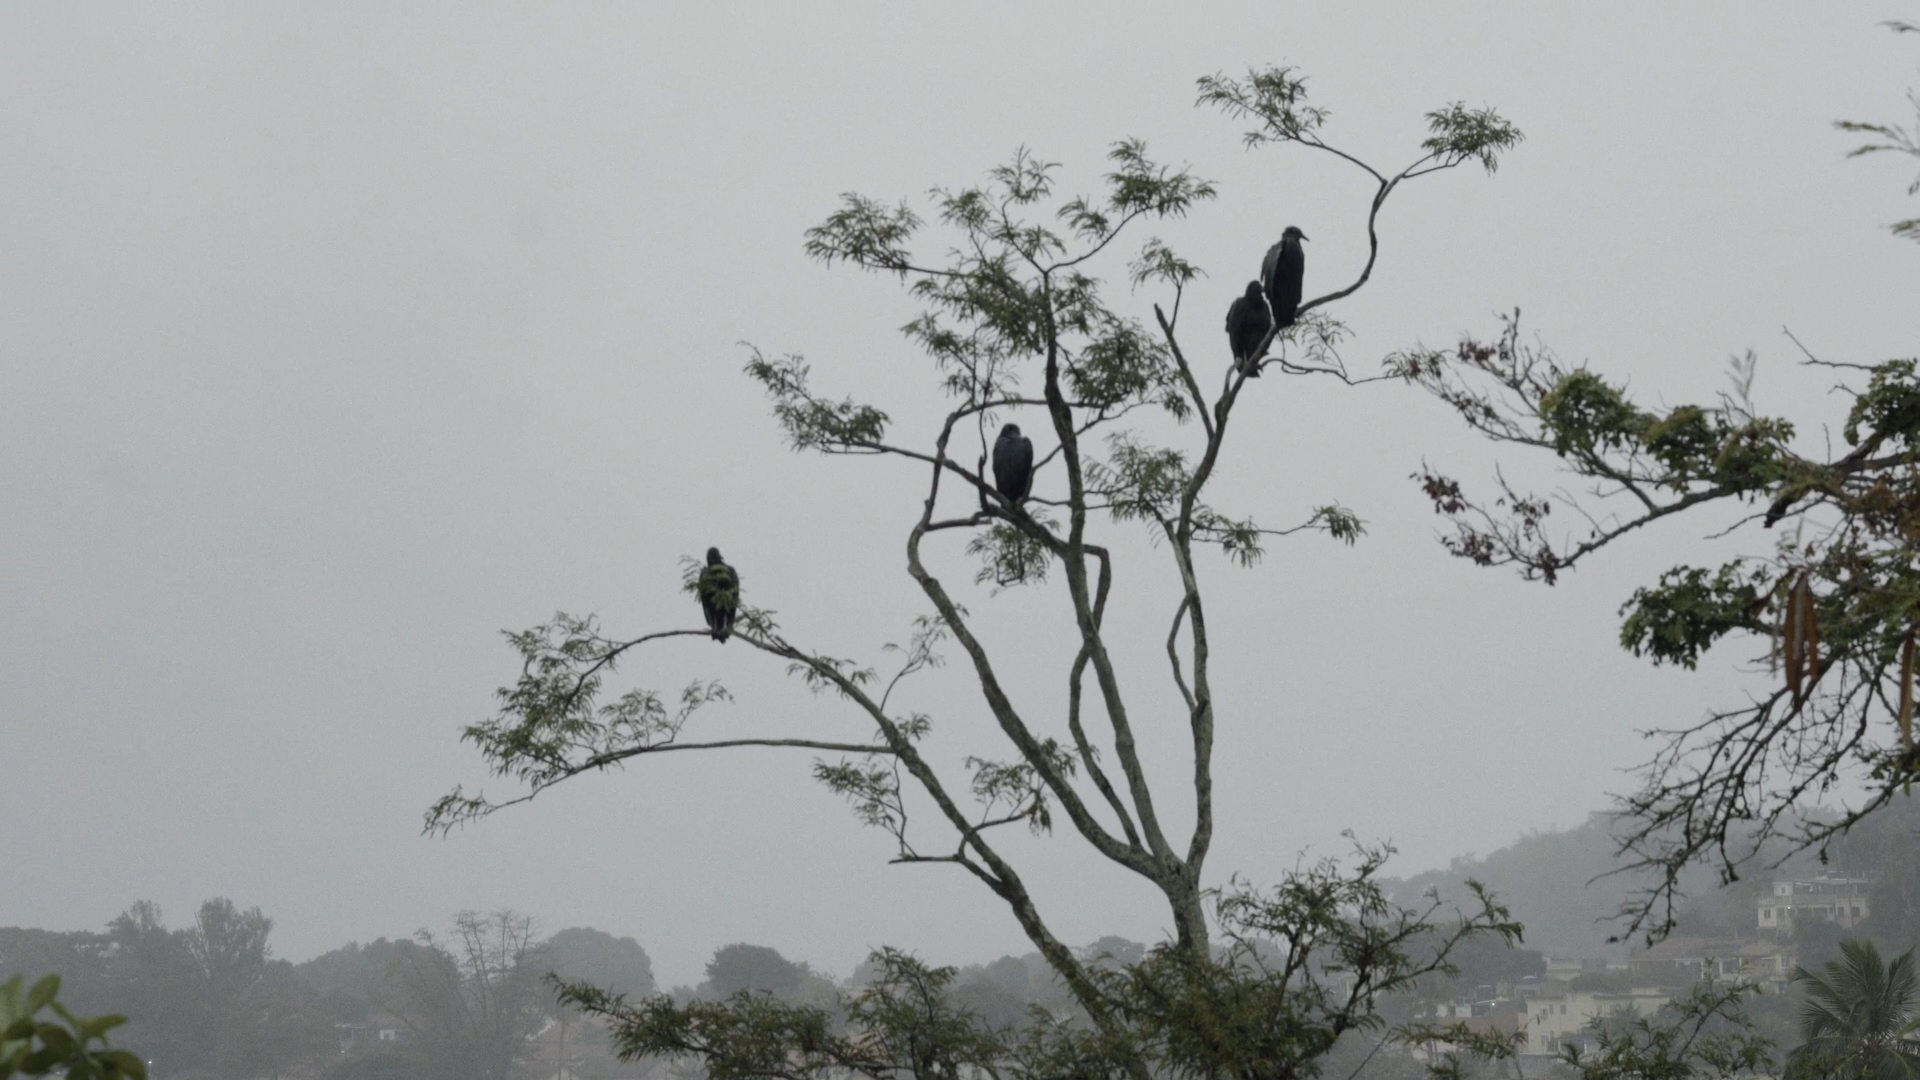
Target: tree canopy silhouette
(1015,321)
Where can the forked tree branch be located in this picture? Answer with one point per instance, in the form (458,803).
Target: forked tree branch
(1015,294)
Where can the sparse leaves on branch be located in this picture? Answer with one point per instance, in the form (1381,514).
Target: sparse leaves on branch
(871,787)
(1829,608)
(552,723)
(814,423)
(1009,555)
(1274,102)
(1338,522)
(864,233)
(1013,791)
(1157,262)
(1275,98)
(1895,139)
(1659,462)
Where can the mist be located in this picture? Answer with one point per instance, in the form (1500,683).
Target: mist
(339,340)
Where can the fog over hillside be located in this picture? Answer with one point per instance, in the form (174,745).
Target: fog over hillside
(341,337)
(761,509)
(1560,883)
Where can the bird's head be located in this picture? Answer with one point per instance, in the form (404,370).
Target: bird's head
(713,557)
(1253,290)
(1011,431)
(1293,233)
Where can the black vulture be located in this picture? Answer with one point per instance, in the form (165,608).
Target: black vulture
(719,589)
(1013,463)
(1281,272)
(1247,325)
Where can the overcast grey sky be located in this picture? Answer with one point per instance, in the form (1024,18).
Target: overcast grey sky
(336,338)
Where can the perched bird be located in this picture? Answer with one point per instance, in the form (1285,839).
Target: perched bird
(719,591)
(1281,272)
(1013,463)
(1247,325)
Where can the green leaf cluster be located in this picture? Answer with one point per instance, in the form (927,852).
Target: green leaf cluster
(1274,99)
(1338,522)
(1009,556)
(66,1045)
(1888,411)
(1458,134)
(871,786)
(1305,962)
(814,423)
(1587,417)
(1014,791)
(1690,609)
(1140,482)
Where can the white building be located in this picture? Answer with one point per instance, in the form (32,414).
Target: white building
(1558,1014)
(1831,897)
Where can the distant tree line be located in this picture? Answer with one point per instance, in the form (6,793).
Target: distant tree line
(208,1001)
(492,998)
(481,1000)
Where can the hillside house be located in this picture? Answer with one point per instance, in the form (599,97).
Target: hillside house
(1557,1014)
(1831,897)
(1683,961)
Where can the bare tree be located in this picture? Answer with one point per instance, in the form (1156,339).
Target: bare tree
(472,1000)
(1016,324)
